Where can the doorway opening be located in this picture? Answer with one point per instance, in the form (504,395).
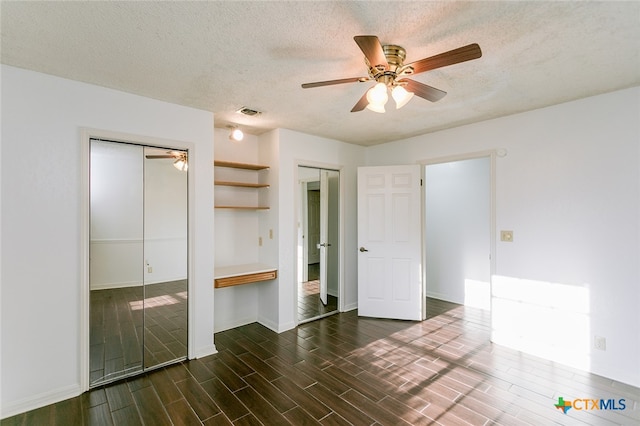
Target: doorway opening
(458,231)
(318,275)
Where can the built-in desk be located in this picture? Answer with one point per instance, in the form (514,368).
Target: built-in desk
(228,276)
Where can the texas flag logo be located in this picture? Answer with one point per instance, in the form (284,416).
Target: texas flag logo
(563,405)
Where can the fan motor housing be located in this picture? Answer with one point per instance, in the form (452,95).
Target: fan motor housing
(395,56)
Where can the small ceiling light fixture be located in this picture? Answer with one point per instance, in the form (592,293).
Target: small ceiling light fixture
(235,134)
(181,162)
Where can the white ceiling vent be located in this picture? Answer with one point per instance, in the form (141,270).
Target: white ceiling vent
(248,111)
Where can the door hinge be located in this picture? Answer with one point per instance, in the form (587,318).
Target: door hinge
(420,182)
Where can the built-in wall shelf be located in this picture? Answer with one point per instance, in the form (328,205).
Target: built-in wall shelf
(234,165)
(241,184)
(228,276)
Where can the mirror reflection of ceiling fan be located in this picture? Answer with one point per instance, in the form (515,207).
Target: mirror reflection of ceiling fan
(181,161)
(387,68)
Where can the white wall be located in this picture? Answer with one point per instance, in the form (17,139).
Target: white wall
(236,240)
(117,215)
(569,188)
(122,183)
(458,229)
(41,227)
(293,149)
(273,303)
(165,221)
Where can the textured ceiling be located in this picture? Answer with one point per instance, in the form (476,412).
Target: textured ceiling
(220,56)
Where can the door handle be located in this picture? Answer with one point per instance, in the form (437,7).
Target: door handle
(324,245)
(362,249)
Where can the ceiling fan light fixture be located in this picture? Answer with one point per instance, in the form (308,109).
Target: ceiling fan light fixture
(181,163)
(377,97)
(401,96)
(376,108)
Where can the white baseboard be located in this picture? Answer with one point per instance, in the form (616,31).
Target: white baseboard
(278,328)
(110,286)
(350,307)
(12,408)
(444,297)
(205,351)
(219,326)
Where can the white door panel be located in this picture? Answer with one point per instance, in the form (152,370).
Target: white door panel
(389,237)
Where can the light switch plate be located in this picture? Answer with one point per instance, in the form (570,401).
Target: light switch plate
(506,236)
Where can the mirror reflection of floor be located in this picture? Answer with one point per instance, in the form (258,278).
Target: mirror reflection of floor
(116,334)
(309,303)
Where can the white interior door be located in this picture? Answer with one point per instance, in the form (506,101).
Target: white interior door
(324,233)
(390,242)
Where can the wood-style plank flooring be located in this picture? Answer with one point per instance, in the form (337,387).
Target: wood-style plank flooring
(127,321)
(309,304)
(345,370)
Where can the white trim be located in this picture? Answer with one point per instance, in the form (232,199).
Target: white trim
(444,297)
(236,322)
(350,307)
(125,284)
(86,134)
(206,351)
(85,243)
(278,328)
(40,400)
(458,157)
(112,286)
(133,240)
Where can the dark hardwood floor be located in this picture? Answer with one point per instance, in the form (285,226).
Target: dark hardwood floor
(309,304)
(121,329)
(348,370)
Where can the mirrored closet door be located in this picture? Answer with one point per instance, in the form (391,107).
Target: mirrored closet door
(138,259)
(318,243)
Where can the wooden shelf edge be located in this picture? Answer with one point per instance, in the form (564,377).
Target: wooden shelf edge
(245,279)
(243,207)
(234,165)
(241,184)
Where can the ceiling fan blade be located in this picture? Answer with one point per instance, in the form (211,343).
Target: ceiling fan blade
(155,157)
(455,56)
(426,92)
(372,49)
(331,82)
(361,104)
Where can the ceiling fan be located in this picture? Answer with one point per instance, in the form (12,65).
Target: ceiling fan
(180,158)
(386,67)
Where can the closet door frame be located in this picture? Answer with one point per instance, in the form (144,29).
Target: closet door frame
(86,134)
